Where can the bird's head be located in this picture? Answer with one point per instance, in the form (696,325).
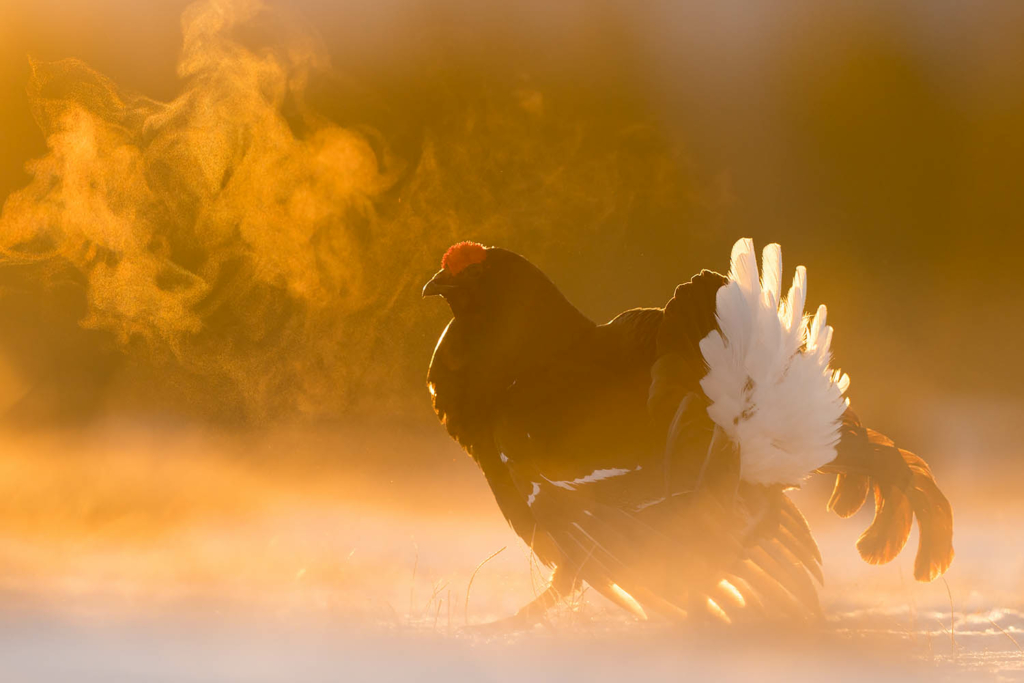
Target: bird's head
(466,277)
(488,282)
(501,295)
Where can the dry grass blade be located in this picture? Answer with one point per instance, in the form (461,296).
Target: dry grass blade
(1007,634)
(435,591)
(412,588)
(469,588)
(952,636)
(437,613)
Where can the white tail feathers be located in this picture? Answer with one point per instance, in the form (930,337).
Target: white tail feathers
(769,381)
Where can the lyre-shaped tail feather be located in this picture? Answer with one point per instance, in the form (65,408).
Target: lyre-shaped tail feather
(903,487)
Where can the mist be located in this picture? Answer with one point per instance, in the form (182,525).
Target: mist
(240,239)
(218,217)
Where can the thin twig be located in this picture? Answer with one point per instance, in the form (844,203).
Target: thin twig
(437,588)
(1005,633)
(437,612)
(465,612)
(533,561)
(942,627)
(579,567)
(576,607)
(952,637)
(412,589)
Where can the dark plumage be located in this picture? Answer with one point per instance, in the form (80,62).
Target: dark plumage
(597,443)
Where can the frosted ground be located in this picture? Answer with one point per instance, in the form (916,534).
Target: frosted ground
(130,555)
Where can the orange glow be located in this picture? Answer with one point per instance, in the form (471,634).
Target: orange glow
(717,611)
(731,590)
(634,606)
(216,218)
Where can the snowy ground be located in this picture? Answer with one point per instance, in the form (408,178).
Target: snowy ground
(168,558)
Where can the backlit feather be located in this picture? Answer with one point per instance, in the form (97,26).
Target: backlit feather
(769,381)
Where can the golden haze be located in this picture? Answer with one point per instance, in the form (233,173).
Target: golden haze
(218,215)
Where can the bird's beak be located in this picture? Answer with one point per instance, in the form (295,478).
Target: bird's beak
(439,285)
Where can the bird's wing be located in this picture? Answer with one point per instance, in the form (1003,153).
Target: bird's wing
(582,418)
(459,380)
(645,496)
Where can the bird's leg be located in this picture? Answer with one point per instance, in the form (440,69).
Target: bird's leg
(533,612)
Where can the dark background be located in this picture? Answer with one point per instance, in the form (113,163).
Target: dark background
(621,148)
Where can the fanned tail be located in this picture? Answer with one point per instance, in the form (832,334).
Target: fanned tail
(762,560)
(742,388)
(903,487)
(768,378)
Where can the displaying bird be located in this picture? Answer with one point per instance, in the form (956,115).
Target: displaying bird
(650,456)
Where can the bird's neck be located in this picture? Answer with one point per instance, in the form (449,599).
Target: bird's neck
(545,330)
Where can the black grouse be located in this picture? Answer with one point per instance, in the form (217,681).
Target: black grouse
(650,456)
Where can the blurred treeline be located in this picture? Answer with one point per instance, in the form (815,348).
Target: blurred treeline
(619,148)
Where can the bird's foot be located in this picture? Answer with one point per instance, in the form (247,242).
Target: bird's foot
(506,625)
(526,618)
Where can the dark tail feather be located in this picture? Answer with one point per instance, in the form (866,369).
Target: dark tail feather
(888,533)
(904,488)
(935,552)
(795,535)
(849,494)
